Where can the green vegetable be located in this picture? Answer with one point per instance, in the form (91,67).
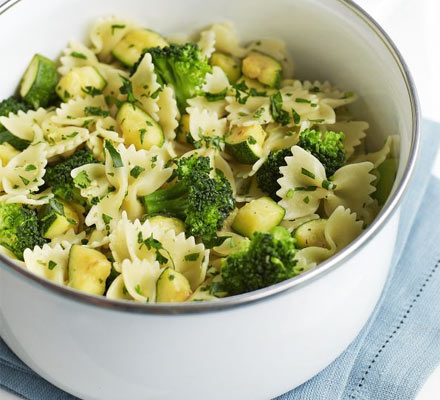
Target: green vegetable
(172,286)
(311,233)
(201,201)
(165,223)
(88,270)
(266,69)
(58,177)
(245,143)
(230,65)
(12,105)
(19,228)
(38,83)
(139,128)
(327,147)
(134,43)
(269,173)
(279,115)
(260,215)
(80,81)
(57,218)
(268,259)
(181,66)
(387,174)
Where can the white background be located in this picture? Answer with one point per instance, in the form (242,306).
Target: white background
(415,28)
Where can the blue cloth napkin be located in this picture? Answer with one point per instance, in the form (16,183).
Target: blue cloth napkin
(399,346)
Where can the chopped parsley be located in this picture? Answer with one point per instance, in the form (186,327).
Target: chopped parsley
(142,133)
(91,91)
(152,243)
(116,157)
(78,55)
(290,193)
(171,277)
(136,171)
(301,100)
(276,109)
(306,199)
(192,257)
(138,289)
(296,117)
(153,161)
(24,180)
(51,265)
(117,26)
(106,218)
(211,97)
(127,89)
(30,167)
(328,185)
(97,111)
(251,140)
(156,93)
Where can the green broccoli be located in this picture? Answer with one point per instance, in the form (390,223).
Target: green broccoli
(58,176)
(181,66)
(12,105)
(327,147)
(201,200)
(19,228)
(268,259)
(269,173)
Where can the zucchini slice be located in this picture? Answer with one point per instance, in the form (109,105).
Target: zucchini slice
(387,175)
(54,224)
(79,82)
(172,287)
(167,223)
(7,153)
(245,143)
(262,67)
(260,215)
(38,82)
(231,66)
(134,43)
(88,270)
(139,128)
(311,233)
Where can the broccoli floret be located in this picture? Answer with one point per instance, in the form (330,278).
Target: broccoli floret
(12,105)
(58,176)
(181,66)
(269,173)
(19,228)
(202,201)
(269,259)
(327,147)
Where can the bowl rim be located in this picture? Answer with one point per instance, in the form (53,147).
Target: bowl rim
(281,288)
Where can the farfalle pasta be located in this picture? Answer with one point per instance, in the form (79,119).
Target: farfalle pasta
(150,169)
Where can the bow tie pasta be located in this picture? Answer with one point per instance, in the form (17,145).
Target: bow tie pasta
(152,169)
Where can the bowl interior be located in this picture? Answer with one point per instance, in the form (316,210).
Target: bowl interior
(328,40)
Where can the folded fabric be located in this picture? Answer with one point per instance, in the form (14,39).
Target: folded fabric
(400,344)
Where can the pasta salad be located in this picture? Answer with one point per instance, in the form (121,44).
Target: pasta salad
(155,169)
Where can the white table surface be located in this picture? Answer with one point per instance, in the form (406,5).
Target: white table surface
(414,27)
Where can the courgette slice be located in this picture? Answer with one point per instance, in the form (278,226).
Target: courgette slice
(7,153)
(167,223)
(260,215)
(139,128)
(79,82)
(38,82)
(88,270)
(134,43)
(230,65)
(172,287)
(311,233)
(54,223)
(387,175)
(245,143)
(262,67)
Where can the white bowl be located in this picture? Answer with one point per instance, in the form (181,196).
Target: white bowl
(254,346)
